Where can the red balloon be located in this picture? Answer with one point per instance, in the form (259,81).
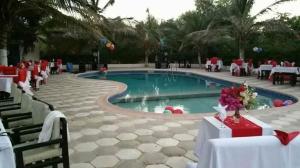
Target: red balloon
(277,103)
(177,111)
(170,108)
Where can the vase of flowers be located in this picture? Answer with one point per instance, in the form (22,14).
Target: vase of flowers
(236,116)
(237,98)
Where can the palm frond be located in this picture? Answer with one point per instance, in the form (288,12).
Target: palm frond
(269,8)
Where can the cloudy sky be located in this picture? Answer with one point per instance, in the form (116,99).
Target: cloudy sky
(166,9)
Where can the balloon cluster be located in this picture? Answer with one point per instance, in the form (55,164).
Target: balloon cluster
(280,103)
(171,110)
(107,43)
(257,49)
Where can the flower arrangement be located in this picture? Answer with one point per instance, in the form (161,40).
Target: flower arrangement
(236,98)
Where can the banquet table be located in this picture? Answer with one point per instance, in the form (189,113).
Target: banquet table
(291,70)
(213,66)
(264,69)
(277,73)
(7,158)
(5,82)
(234,67)
(249,152)
(210,128)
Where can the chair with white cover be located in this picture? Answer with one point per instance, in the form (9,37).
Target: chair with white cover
(18,116)
(46,152)
(28,131)
(14,100)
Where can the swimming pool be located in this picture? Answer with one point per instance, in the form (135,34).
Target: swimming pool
(152,91)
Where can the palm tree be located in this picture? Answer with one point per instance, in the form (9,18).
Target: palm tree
(149,31)
(74,17)
(202,39)
(243,24)
(12,10)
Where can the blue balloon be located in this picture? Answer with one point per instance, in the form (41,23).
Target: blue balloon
(103,40)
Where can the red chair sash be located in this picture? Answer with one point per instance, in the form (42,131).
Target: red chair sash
(214,60)
(22,74)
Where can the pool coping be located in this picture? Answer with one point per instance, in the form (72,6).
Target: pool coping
(103,101)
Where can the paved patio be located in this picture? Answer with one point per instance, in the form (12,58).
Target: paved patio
(101,138)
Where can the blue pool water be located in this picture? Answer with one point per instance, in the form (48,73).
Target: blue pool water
(153,91)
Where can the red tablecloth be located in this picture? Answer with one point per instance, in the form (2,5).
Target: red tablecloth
(244,128)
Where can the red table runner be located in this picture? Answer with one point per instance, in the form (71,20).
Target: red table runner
(243,129)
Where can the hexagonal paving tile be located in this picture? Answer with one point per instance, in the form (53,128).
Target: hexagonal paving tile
(79,115)
(96,112)
(125,124)
(109,118)
(128,144)
(149,147)
(187,145)
(90,134)
(126,136)
(108,127)
(140,121)
(130,164)
(177,162)
(190,155)
(193,132)
(144,132)
(160,128)
(186,122)
(147,139)
(75,136)
(173,151)
(183,137)
(107,141)
(167,142)
(153,158)
(157,166)
(81,165)
(85,151)
(128,154)
(163,134)
(75,125)
(105,161)
(172,124)
(107,150)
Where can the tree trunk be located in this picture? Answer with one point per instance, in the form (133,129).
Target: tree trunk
(3,44)
(199,59)
(147,58)
(242,52)
(242,48)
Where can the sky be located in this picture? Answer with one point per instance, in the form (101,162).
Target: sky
(167,9)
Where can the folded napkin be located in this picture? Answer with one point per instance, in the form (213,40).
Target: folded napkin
(284,137)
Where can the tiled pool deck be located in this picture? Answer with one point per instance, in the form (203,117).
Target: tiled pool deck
(105,136)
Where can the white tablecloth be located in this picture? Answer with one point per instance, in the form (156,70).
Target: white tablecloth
(7,157)
(219,63)
(210,128)
(5,84)
(292,70)
(250,152)
(234,67)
